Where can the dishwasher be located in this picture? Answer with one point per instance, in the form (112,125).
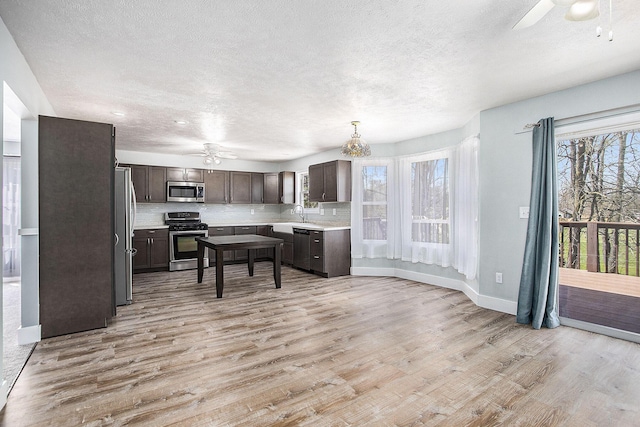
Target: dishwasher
(301,249)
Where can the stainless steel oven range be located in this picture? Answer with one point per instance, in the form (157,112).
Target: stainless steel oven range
(184,227)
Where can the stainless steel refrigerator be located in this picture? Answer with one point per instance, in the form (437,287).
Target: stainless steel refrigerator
(125,208)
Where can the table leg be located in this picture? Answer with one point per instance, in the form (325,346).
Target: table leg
(276,265)
(200,261)
(252,257)
(219,272)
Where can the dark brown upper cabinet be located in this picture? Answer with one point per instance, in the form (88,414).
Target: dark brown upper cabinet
(216,187)
(270,191)
(330,181)
(150,183)
(185,175)
(240,187)
(257,188)
(287,187)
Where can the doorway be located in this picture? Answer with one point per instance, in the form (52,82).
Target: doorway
(599,208)
(14,354)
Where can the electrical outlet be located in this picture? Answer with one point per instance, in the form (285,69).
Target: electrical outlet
(252,211)
(334,211)
(322,211)
(524,212)
(498,277)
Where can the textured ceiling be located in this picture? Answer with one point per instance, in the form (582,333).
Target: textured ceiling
(280,79)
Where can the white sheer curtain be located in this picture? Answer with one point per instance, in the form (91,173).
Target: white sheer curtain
(11,216)
(372,184)
(465,208)
(431,208)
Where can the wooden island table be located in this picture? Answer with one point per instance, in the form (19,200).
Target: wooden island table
(231,243)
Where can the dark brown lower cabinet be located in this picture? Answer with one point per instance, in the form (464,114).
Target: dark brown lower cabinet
(76,260)
(287,247)
(152,250)
(330,252)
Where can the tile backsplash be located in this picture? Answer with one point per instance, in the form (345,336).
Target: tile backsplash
(151,214)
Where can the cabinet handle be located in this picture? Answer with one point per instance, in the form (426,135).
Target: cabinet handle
(219,229)
(151,231)
(322,196)
(316,240)
(316,257)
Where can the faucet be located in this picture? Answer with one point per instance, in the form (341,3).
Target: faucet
(299,211)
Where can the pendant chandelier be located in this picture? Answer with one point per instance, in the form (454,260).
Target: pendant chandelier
(356,147)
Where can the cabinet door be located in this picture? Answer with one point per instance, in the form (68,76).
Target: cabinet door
(264,230)
(220,231)
(140,179)
(316,183)
(194,175)
(270,188)
(243,253)
(157,186)
(159,250)
(257,188)
(216,187)
(287,187)
(175,174)
(330,182)
(141,258)
(240,187)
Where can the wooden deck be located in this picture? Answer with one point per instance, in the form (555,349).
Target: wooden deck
(603,282)
(345,351)
(611,300)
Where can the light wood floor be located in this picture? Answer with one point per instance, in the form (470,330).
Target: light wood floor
(348,351)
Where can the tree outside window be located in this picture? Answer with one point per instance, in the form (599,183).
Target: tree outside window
(430,201)
(374,203)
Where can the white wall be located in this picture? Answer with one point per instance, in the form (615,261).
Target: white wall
(505,170)
(16,75)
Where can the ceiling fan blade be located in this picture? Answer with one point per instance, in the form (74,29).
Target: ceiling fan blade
(535,14)
(225,155)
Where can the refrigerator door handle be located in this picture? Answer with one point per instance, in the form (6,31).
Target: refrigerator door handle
(117,239)
(134,204)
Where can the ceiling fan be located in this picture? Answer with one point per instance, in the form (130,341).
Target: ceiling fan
(578,10)
(212,154)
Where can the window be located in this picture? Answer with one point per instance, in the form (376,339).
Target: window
(374,203)
(303,196)
(430,201)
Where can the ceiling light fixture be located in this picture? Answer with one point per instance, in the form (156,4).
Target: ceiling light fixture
(117,113)
(356,147)
(181,122)
(583,10)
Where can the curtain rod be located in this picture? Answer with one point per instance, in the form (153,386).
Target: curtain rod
(635,108)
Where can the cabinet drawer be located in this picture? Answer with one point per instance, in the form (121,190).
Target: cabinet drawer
(144,234)
(250,229)
(220,231)
(316,234)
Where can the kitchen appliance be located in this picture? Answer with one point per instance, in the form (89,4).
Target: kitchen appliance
(185,192)
(184,227)
(125,212)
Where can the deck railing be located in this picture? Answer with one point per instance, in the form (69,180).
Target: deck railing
(607,247)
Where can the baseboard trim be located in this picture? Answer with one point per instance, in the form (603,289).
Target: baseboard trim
(29,335)
(4,392)
(600,329)
(492,303)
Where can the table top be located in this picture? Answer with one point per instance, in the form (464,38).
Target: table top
(239,240)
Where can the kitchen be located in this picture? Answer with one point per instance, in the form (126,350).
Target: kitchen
(504,157)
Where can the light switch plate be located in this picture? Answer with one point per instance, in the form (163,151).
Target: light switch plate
(524,212)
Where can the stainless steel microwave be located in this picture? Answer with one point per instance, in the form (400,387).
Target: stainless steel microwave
(185,192)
